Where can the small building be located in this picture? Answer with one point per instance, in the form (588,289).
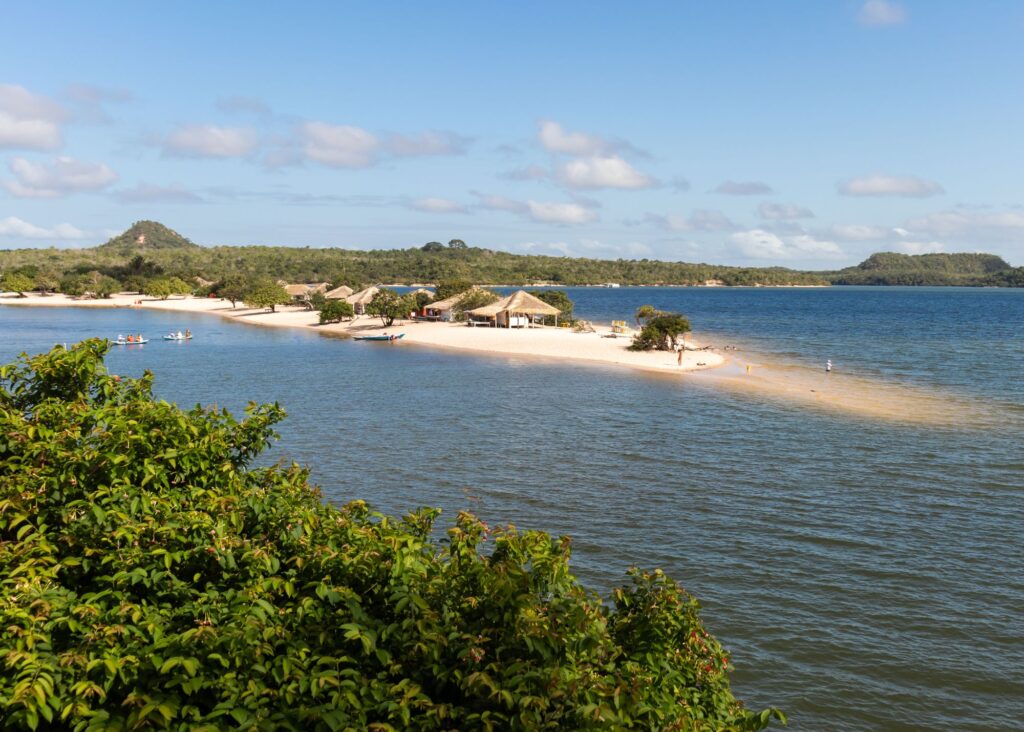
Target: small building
(518,310)
(442,309)
(339,293)
(361,299)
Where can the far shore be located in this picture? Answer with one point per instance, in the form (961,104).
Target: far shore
(703,364)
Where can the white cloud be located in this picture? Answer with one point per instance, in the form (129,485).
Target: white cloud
(149,193)
(210,141)
(761,244)
(609,171)
(783,212)
(560,213)
(881,12)
(701,219)
(920,247)
(554,138)
(437,205)
(427,143)
(29,121)
(63,176)
(530,172)
(743,188)
(969,223)
(859,232)
(339,146)
(908,186)
(13,226)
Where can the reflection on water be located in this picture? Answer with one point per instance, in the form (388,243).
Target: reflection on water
(864,574)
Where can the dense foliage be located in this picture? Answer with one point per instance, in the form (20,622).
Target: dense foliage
(265,293)
(334,311)
(891,268)
(389,306)
(660,331)
(152,579)
(559,299)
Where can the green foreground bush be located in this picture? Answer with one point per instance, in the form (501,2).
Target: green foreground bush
(152,579)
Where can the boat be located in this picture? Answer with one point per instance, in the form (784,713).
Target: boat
(175,337)
(123,342)
(396,337)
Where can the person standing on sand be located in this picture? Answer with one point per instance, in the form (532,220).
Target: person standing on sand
(679,357)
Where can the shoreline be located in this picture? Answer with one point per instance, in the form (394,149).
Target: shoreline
(792,385)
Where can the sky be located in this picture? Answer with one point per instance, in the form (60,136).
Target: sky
(804,134)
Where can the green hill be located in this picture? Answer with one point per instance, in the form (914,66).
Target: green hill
(892,268)
(147,236)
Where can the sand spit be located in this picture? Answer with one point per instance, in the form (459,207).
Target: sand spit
(801,386)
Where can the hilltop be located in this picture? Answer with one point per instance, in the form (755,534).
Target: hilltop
(964,268)
(147,236)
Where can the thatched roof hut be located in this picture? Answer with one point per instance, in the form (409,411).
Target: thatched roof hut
(515,310)
(297,290)
(361,299)
(339,293)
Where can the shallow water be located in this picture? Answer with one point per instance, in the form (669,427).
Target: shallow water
(863,574)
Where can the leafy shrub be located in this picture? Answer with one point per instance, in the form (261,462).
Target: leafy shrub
(660,332)
(265,293)
(389,306)
(152,579)
(334,311)
(15,282)
(475,298)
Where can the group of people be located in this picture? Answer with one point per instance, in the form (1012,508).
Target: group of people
(182,336)
(130,338)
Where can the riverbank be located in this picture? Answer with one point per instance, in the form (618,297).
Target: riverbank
(737,371)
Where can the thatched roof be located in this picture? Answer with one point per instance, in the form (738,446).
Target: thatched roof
(519,301)
(339,293)
(362,297)
(449,302)
(319,287)
(297,290)
(422,291)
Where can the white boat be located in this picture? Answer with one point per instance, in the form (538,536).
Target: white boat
(123,342)
(176,337)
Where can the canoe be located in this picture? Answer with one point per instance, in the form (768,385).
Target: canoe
(130,343)
(176,338)
(397,337)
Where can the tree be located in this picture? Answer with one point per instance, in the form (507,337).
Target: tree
(474,299)
(432,246)
(660,333)
(644,313)
(266,294)
(104,286)
(233,288)
(389,306)
(334,311)
(16,282)
(456,244)
(164,287)
(453,286)
(155,579)
(46,280)
(559,299)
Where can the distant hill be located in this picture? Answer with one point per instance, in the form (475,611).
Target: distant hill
(892,268)
(147,236)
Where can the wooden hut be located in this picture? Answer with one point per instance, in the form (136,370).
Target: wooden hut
(339,293)
(361,299)
(515,311)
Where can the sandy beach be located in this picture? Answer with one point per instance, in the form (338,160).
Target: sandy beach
(738,372)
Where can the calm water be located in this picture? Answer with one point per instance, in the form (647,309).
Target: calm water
(864,575)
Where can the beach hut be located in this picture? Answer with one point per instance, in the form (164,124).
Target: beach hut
(442,309)
(515,311)
(339,293)
(361,299)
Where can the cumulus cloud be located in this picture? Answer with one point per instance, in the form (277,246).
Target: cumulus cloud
(701,219)
(437,205)
(860,232)
(783,212)
(920,247)
(431,142)
(29,121)
(210,141)
(339,146)
(15,227)
(875,13)
(61,177)
(907,186)
(554,138)
(149,193)
(761,244)
(560,213)
(970,224)
(743,188)
(609,171)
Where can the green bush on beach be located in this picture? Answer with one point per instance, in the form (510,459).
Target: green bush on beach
(153,579)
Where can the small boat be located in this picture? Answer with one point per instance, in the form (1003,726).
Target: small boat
(175,337)
(396,337)
(123,342)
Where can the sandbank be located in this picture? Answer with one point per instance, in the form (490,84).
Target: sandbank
(737,371)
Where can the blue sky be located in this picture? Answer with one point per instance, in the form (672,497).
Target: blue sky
(803,134)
